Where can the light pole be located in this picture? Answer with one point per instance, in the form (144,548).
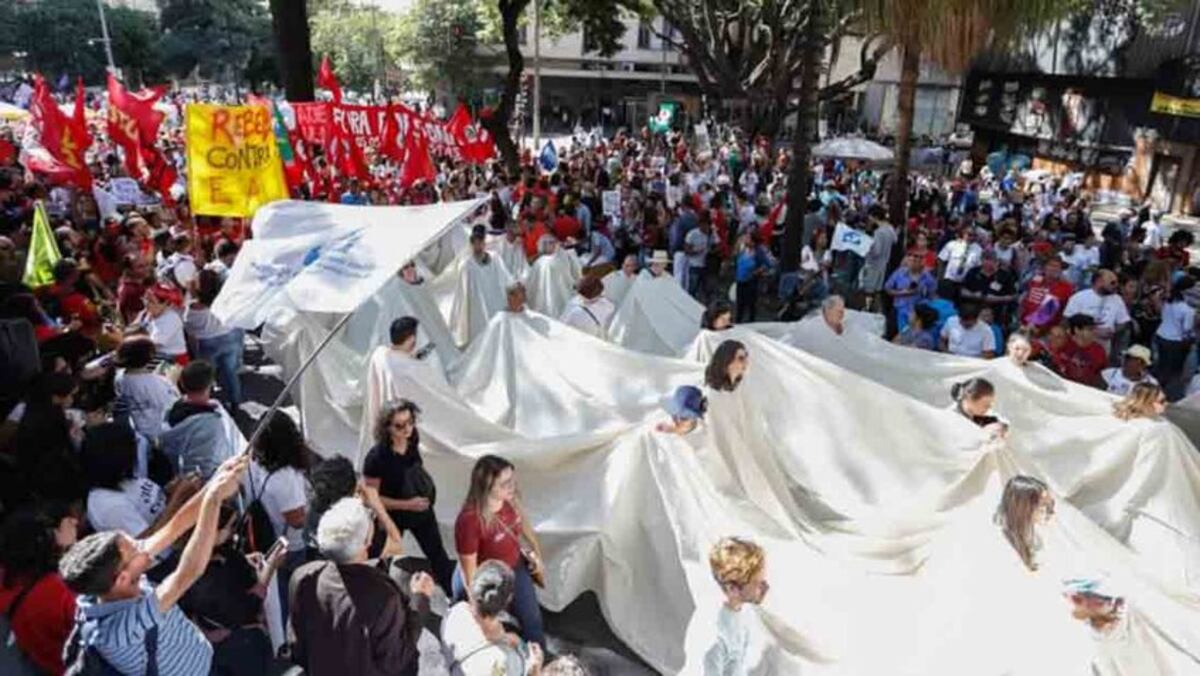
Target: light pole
(112,67)
(537,74)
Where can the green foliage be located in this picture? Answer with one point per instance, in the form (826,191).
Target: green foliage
(60,37)
(134,35)
(600,21)
(362,43)
(438,37)
(217,39)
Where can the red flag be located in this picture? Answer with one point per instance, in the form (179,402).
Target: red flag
(133,123)
(417,163)
(65,139)
(473,141)
(389,146)
(327,80)
(8,153)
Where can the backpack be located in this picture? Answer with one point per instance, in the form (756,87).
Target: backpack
(257,531)
(83,659)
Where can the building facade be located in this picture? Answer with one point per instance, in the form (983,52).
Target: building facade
(622,90)
(1114,100)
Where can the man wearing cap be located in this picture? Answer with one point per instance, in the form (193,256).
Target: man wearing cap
(657,263)
(589,311)
(686,407)
(1133,371)
(1103,304)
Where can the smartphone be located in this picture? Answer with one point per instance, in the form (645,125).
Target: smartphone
(280,545)
(425,351)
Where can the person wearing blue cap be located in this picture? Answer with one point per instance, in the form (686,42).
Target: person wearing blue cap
(686,406)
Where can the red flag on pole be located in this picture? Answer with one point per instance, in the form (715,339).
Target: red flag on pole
(417,162)
(65,139)
(390,145)
(327,80)
(133,124)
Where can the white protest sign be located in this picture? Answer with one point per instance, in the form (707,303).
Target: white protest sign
(611,199)
(846,238)
(126,191)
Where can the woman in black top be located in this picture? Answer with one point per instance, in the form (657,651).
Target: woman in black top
(393,466)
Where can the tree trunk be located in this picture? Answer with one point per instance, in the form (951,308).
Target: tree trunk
(289,20)
(800,177)
(910,70)
(497,124)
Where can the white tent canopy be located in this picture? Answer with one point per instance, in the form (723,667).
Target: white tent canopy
(853,148)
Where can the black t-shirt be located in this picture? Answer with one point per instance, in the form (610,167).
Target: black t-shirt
(1002,283)
(392,470)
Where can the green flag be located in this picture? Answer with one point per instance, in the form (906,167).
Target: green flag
(43,250)
(661,123)
(281,137)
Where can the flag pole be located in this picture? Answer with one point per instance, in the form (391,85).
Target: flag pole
(287,388)
(537,74)
(112,68)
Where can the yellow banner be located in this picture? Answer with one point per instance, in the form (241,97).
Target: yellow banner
(1175,105)
(233,162)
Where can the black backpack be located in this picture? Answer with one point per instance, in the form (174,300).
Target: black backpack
(82,659)
(257,531)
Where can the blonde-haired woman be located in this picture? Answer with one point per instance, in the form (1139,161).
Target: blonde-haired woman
(739,566)
(1145,400)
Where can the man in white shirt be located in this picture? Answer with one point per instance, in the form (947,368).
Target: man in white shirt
(959,256)
(1134,370)
(1154,236)
(1102,303)
(590,311)
(696,244)
(965,335)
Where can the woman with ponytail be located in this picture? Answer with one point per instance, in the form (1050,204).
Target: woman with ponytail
(973,399)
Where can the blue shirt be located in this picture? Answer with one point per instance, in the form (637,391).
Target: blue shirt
(120,635)
(358,200)
(902,280)
(748,262)
(680,227)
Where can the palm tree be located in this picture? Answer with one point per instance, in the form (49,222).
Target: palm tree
(949,33)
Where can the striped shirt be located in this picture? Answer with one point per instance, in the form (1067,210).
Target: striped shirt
(120,635)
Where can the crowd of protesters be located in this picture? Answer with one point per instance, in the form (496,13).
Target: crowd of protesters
(122,540)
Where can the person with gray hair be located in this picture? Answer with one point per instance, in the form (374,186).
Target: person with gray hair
(347,614)
(475,640)
(833,311)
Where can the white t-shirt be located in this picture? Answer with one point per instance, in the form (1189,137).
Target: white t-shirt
(1108,311)
(1153,238)
(1119,385)
(960,257)
(132,509)
(596,323)
(1178,322)
(166,330)
(741,647)
(972,342)
(286,491)
(469,653)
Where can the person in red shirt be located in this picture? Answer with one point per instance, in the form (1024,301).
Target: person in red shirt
(1049,284)
(533,229)
(1083,358)
(566,226)
(31,542)
(65,302)
(491,526)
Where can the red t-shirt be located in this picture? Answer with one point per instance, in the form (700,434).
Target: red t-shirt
(531,238)
(1038,290)
(566,226)
(471,536)
(43,620)
(1081,364)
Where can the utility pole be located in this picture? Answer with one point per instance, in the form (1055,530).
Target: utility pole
(662,81)
(537,75)
(112,68)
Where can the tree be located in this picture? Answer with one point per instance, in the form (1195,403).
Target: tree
(134,35)
(950,33)
(289,22)
(61,37)
(752,50)
(360,42)
(212,38)
(598,19)
(436,35)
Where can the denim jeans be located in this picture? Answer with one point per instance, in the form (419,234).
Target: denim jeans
(225,353)
(524,604)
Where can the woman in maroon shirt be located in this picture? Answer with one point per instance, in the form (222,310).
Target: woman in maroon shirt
(491,526)
(31,543)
